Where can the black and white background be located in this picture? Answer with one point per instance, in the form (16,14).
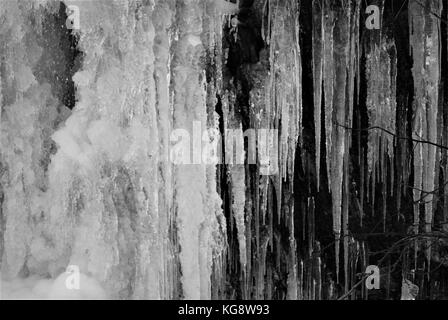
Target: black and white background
(224,150)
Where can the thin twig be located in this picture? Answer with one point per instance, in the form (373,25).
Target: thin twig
(438,235)
(394,135)
(431,12)
(354,287)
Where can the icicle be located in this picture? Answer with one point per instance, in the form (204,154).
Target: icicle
(309,277)
(301,280)
(416,20)
(319,279)
(384,182)
(329,77)
(162,19)
(425,29)
(345,221)
(249,239)
(341,61)
(339,69)
(362,186)
(318,55)
(353,27)
(355,260)
(238,208)
(293,278)
(276,103)
(213,22)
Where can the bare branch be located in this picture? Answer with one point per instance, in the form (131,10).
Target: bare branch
(395,136)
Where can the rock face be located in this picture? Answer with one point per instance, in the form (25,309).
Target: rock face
(329,139)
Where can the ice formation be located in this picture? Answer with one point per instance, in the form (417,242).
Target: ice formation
(87,178)
(335,39)
(105,202)
(381,105)
(425,30)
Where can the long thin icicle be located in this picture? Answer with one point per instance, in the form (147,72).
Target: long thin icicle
(318,55)
(338,146)
(328,75)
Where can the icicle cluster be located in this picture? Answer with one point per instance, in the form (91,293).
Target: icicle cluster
(275,104)
(381,101)
(425,29)
(285,90)
(336,43)
(381,73)
(283,109)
